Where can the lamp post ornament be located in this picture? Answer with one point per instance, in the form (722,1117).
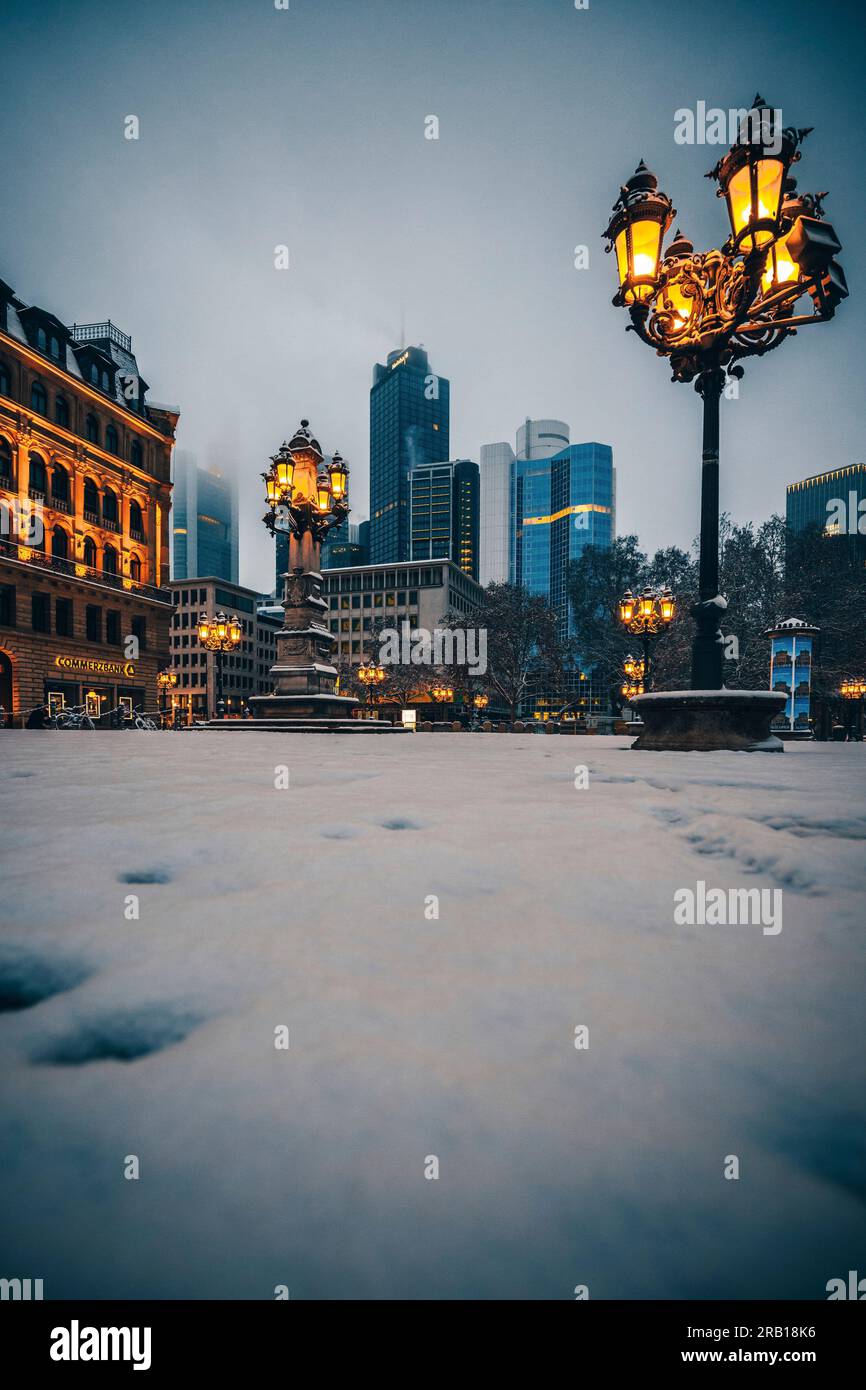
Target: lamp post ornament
(706,312)
(219,635)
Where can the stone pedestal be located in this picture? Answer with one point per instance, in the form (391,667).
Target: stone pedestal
(709,721)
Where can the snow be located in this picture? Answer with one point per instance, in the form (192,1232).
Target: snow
(411,1036)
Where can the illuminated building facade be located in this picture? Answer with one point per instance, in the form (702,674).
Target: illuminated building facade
(85,489)
(204,521)
(409,426)
(443,507)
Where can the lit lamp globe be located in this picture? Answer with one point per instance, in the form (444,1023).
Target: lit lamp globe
(626,607)
(671,298)
(752,174)
(641,216)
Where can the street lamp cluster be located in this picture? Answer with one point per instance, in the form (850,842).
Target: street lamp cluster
(219,635)
(302,492)
(633,685)
(651,613)
(166,680)
(705,311)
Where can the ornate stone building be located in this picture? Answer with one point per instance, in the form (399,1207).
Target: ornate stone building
(85,486)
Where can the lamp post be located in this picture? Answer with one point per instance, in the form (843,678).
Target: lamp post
(306,498)
(634,672)
(219,635)
(705,312)
(370,675)
(442,694)
(646,616)
(166,680)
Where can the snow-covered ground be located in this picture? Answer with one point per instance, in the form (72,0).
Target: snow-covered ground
(412,1036)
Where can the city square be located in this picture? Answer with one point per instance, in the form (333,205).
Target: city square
(432,675)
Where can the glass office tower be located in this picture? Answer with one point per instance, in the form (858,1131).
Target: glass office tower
(835,501)
(204,522)
(443,500)
(409,425)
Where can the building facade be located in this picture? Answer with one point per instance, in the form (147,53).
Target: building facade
(541,439)
(494,531)
(409,425)
(204,521)
(85,490)
(246,671)
(444,516)
(835,502)
(362,596)
(791,652)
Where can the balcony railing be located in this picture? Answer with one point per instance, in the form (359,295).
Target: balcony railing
(92,332)
(36,494)
(110,525)
(92,517)
(61,504)
(135,534)
(74,569)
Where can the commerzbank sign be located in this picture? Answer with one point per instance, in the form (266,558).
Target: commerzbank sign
(92,666)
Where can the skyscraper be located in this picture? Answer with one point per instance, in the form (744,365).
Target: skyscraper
(409,425)
(443,500)
(835,502)
(204,522)
(536,439)
(559,505)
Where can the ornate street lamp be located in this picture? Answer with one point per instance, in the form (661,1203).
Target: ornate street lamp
(219,635)
(705,312)
(651,613)
(370,675)
(853,692)
(166,680)
(306,498)
(633,684)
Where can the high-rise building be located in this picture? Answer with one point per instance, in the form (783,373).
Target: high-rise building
(85,491)
(409,425)
(835,502)
(536,439)
(443,505)
(204,521)
(559,505)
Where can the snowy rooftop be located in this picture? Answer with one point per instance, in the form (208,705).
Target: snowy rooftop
(413,1036)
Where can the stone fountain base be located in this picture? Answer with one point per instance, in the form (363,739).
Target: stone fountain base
(709,721)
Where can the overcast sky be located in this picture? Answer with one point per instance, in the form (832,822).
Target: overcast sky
(305,127)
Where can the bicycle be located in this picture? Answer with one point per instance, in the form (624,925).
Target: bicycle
(72,717)
(142,720)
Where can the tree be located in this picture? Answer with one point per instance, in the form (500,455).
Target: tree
(524,652)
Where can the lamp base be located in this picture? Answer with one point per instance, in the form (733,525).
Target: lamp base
(709,721)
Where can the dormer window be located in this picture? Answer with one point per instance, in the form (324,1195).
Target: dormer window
(94,373)
(55,348)
(41,340)
(105,381)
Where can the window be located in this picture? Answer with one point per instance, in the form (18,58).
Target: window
(41,614)
(5,459)
(38,398)
(135,457)
(61,412)
(109,560)
(90,552)
(59,543)
(94,373)
(7,605)
(112,443)
(55,348)
(112,627)
(91,429)
(59,484)
(135,568)
(109,504)
(41,339)
(38,476)
(93,622)
(139,630)
(91,500)
(63,625)
(106,385)
(136,521)
(5,383)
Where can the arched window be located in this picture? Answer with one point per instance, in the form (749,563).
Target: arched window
(94,373)
(5,381)
(90,552)
(59,484)
(109,505)
(5,459)
(38,478)
(135,568)
(41,339)
(136,520)
(91,499)
(105,381)
(135,454)
(59,543)
(91,429)
(61,412)
(112,443)
(109,560)
(55,347)
(38,398)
